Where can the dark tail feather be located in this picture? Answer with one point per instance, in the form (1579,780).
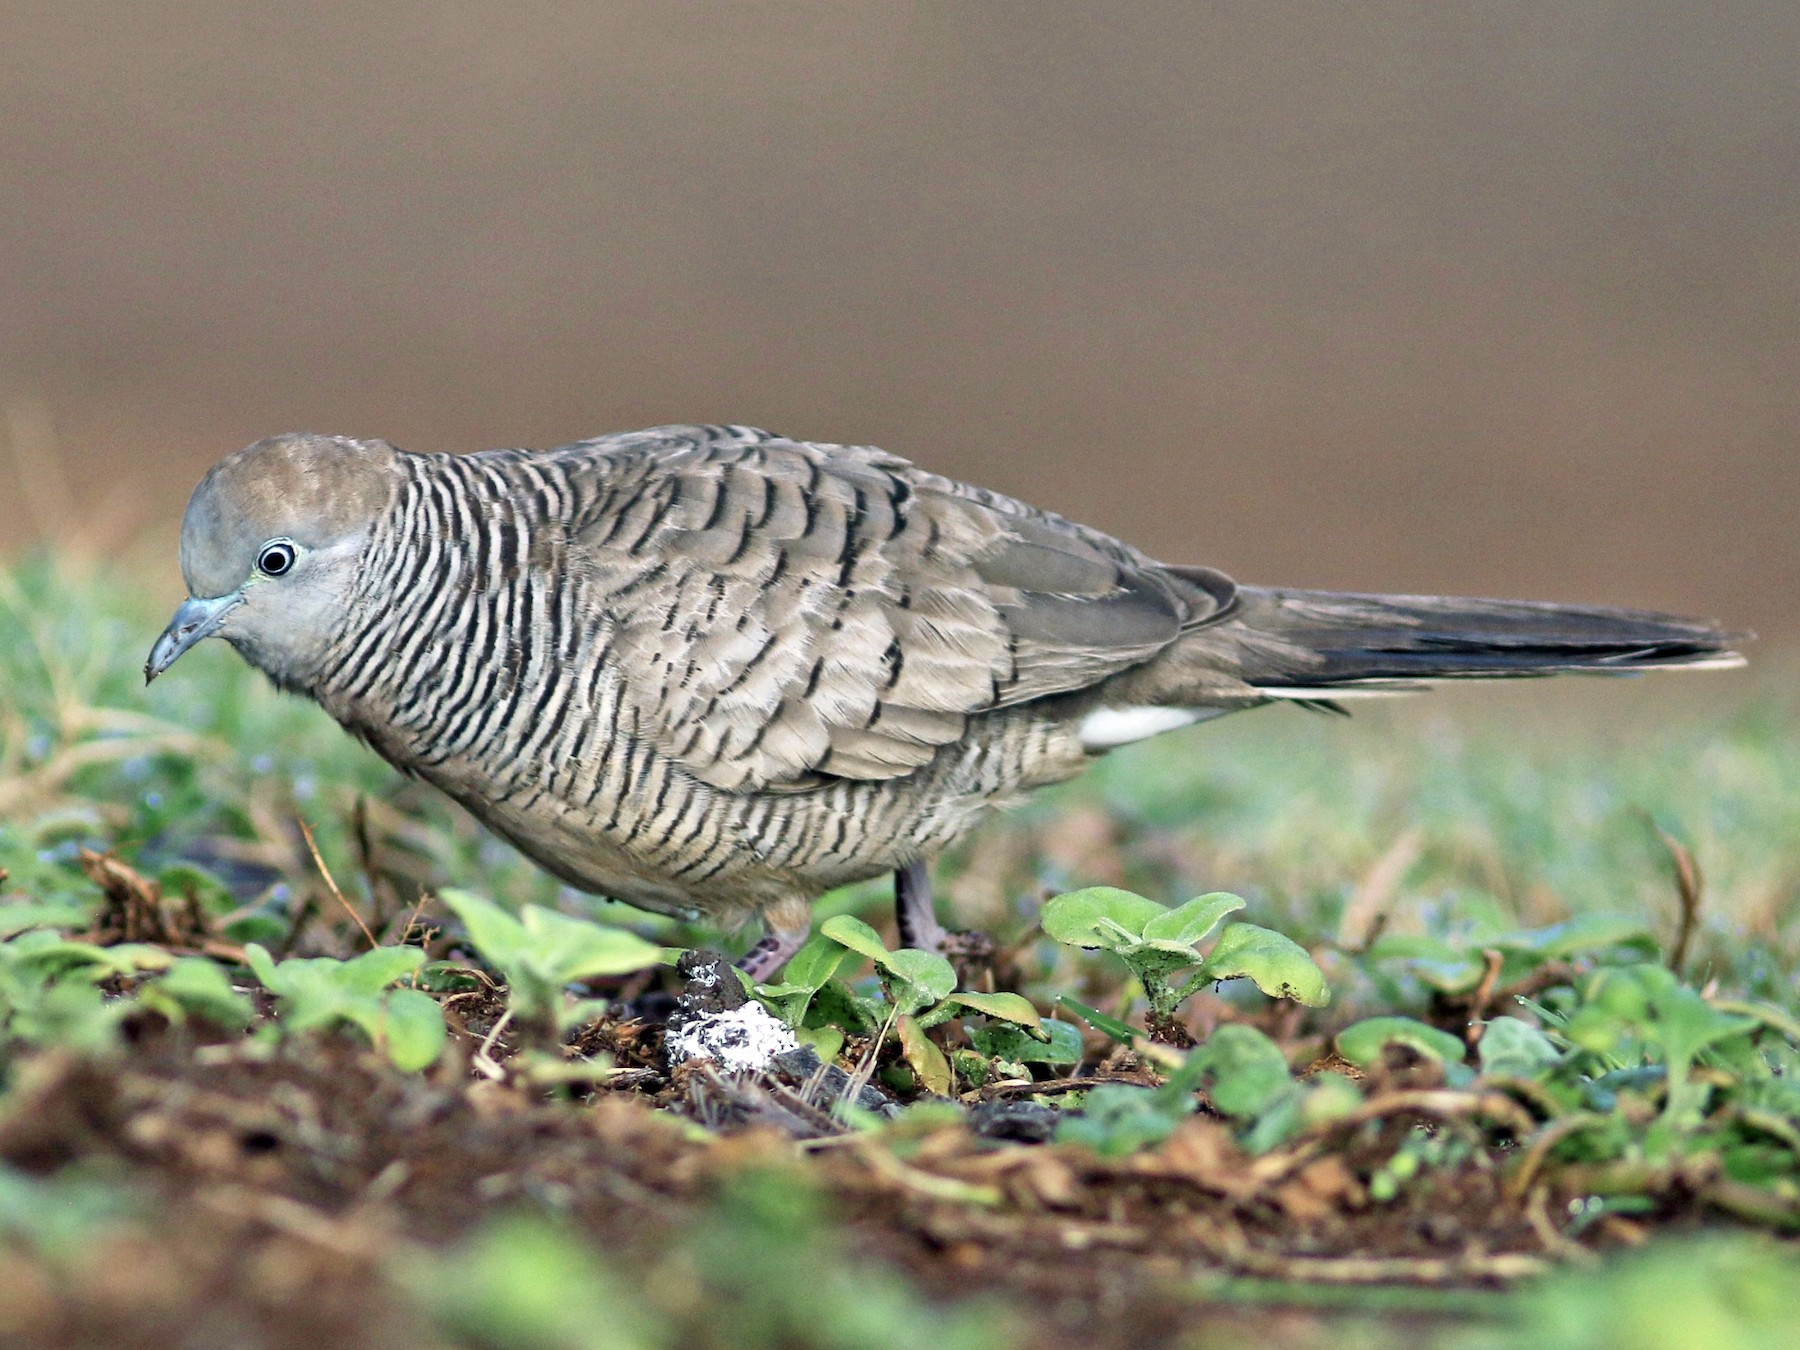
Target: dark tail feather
(1321,642)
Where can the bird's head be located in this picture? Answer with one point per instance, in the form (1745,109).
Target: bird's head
(270,546)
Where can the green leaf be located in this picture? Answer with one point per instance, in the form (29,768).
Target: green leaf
(837,1004)
(1433,960)
(527,1281)
(1121,1032)
(1117,1119)
(569,949)
(1081,918)
(924,1056)
(262,965)
(1768,1014)
(447,977)
(919,978)
(849,931)
(815,963)
(826,1042)
(1583,934)
(375,970)
(1362,1043)
(1187,924)
(812,968)
(413,1029)
(54,957)
(1057,1043)
(1686,1023)
(1013,1008)
(1248,1071)
(1513,1048)
(199,987)
(497,935)
(1280,966)
(17,917)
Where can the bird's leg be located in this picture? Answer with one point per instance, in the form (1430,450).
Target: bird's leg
(917,920)
(914,914)
(786,926)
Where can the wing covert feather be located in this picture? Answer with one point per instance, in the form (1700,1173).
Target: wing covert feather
(785,610)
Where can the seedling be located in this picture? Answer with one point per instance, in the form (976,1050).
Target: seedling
(1365,1044)
(1457,966)
(541,952)
(1422,1150)
(1645,1013)
(1156,942)
(197,987)
(920,990)
(1118,1119)
(1245,1077)
(49,987)
(318,992)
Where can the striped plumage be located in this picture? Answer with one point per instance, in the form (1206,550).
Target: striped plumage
(709,670)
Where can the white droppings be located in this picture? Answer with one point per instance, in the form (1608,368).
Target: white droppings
(742,1040)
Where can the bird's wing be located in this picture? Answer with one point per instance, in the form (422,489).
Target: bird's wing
(786,610)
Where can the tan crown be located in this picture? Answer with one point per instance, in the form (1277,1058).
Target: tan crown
(312,489)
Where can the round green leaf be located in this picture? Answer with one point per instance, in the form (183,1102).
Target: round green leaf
(497,935)
(814,964)
(1583,934)
(17,916)
(413,1028)
(375,970)
(1513,1048)
(568,949)
(199,986)
(1279,965)
(262,965)
(1247,1069)
(1433,960)
(1013,1008)
(1362,1042)
(1079,918)
(1187,924)
(852,932)
(927,973)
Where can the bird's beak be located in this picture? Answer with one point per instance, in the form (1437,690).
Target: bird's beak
(195,619)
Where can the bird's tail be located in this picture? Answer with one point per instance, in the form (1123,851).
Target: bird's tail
(1321,645)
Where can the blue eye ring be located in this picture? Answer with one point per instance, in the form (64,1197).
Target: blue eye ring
(277,557)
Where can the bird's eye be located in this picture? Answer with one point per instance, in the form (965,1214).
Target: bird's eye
(275,558)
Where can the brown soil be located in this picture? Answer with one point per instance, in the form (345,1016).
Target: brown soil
(281,1184)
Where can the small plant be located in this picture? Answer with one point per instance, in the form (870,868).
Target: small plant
(1725,1291)
(197,987)
(1156,942)
(541,952)
(65,1213)
(50,988)
(1421,1151)
(1457,965)
(1245,1078)
(921,989)
(1643,1013)
(527,1280)
(1366,1045)
(404,1024)
(920,993)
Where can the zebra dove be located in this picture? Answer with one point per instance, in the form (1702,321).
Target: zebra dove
(715,672)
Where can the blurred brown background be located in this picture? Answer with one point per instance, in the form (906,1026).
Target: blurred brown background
(1493,298)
